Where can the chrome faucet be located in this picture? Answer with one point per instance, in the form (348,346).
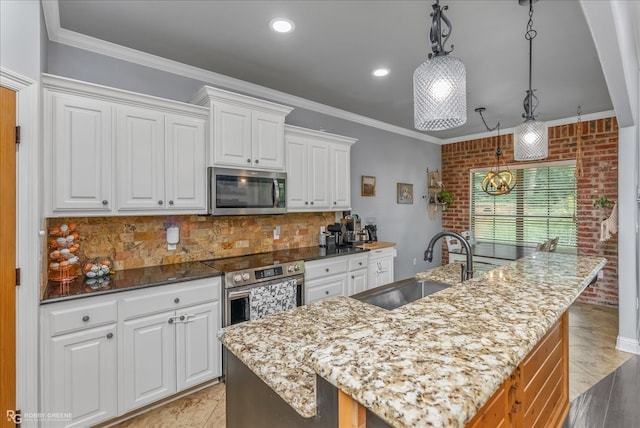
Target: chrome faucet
(464,274)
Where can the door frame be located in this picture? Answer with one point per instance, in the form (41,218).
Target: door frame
(28,239)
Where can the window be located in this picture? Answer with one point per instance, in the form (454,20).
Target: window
(542,206)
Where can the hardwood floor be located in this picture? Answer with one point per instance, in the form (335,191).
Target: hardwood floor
(592,356)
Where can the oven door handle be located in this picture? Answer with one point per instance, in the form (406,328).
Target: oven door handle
(233,295)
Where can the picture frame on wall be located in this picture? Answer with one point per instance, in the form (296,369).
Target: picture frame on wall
(405,193)
(368,186)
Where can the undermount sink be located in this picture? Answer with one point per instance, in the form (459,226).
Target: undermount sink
(399,293)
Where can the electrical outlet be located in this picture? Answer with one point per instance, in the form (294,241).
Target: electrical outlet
(414,261)
(276,232)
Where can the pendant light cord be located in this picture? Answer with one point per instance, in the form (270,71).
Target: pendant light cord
(529,100)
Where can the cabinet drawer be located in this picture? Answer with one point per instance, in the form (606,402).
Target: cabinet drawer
(163,298)
(358,262)
(382,252)
(80,316)
(322,268)
(327,288)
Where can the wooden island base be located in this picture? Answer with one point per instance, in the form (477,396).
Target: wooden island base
(536,393)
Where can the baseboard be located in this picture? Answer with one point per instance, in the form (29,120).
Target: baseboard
(627,344)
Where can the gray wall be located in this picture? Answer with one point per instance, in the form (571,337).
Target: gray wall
(20,37)
(389,157)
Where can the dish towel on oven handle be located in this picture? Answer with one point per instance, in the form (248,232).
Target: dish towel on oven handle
(272,299)
(609,227)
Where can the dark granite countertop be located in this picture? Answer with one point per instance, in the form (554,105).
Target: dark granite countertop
(130,279)
(499,251)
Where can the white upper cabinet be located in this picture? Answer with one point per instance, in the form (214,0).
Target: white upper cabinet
(318,170)
(246,132)
(78,153)
(114,152)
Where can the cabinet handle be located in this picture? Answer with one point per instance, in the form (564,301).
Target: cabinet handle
(160,202)
(170,202)
(110,336)
(105,202)
(176,300)
(257,161)
(85,318)
(248,160)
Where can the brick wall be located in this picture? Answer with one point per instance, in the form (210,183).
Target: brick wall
(600,161)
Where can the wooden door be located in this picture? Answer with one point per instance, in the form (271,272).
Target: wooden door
(7,253)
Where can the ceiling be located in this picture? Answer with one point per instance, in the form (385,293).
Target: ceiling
(336,44)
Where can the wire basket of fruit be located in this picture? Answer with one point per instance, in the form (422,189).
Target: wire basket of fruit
(64,262)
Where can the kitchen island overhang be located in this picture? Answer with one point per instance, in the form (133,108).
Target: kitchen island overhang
(437,360)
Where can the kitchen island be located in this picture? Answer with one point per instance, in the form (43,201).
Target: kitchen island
(434,362)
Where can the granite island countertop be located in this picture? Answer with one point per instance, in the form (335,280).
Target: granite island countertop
(434,361)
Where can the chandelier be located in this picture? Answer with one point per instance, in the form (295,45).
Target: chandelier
(499,179)
(530,137)
(439,84)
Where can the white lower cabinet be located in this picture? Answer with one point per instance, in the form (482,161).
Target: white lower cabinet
(380,267)
(103,356)
(335,276)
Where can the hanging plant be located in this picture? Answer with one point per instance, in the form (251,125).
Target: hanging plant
(445,197)
(602,202)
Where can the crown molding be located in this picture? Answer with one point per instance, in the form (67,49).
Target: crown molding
(550,123)
(71,38)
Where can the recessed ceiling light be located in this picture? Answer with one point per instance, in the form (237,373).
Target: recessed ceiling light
(380,72)
(282,25)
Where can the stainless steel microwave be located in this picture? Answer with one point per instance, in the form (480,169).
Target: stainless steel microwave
(246,192)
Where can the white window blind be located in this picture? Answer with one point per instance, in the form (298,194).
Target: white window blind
(542,206)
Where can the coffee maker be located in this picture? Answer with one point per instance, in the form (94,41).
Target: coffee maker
(354,233)
(338,232)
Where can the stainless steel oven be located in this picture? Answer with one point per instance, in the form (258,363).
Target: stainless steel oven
(259,285)
(246,192)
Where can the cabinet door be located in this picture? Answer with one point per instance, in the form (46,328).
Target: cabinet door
(80,378)
(232,135)
(267,137)
(318,173)
(356,281)
(186,163)
(140,154)
(198,349)
(325,287)
(340,177)
(147,371)
(297,174)
(384,271)
(78,151)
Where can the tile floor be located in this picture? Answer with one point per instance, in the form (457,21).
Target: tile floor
(592,356)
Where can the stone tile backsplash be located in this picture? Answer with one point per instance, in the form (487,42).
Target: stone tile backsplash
(140,241)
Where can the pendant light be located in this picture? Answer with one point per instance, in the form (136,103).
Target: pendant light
(440,83)
(499,179)
(530,140)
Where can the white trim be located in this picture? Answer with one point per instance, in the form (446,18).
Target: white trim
(550,123)
(28,242)
(628,344)
(71,38)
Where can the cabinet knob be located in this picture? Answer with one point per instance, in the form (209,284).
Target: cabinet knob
(311,202)
(257,161)
(171,320)
(353,277)
(360,263)
(110,336)
(335,203)
(181,317)
(176,300)
(326,292)
(327,269)
(160,202)
(248,160)
(105,202)
(306,202)
(85,318)
(170,202)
